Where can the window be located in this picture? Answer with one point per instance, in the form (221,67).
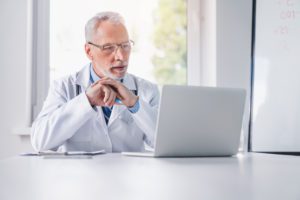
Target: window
(58,49)
(158,27)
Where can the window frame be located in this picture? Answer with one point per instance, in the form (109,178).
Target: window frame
(40,55)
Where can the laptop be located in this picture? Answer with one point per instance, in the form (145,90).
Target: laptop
(197,121)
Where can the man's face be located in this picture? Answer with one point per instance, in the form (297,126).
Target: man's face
(108,63)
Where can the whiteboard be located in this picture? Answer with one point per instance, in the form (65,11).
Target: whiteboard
(275,123)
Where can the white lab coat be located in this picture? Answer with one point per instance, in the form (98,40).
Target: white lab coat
(67,121)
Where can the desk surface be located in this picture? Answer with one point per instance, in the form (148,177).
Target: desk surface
(113,176)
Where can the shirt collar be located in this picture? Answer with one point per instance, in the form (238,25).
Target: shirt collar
(93,76)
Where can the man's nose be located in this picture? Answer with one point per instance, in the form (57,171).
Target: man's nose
(119,54)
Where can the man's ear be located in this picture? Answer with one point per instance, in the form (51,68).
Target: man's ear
(88,52)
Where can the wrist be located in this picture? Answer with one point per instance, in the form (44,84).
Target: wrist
(133,101)
(135,108)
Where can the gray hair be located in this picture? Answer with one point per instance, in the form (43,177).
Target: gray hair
(92,25)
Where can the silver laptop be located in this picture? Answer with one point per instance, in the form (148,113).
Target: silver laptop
(198,121)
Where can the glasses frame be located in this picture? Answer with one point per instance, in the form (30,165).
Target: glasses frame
(101,47)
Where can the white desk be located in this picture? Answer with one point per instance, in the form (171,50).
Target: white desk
(113,176)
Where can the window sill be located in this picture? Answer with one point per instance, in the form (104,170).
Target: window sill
(24,131)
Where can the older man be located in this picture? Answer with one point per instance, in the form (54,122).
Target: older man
(102,106)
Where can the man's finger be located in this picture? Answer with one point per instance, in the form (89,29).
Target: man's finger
(111,99)
(97,83)
(119,96)
(110,82)
(107,92)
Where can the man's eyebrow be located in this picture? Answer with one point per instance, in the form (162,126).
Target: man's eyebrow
(114,43)
(107,44)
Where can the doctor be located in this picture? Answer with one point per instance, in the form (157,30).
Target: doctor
(102,106)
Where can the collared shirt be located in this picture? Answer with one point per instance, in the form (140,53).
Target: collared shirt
(94,77)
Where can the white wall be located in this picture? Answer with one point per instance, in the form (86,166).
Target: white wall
(225,36)
(12,77)
(234,30)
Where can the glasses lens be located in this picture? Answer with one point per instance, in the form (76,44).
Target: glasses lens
(126,46)
(111,48)
(108,49)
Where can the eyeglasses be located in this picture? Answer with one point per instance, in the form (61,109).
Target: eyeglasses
(108,49)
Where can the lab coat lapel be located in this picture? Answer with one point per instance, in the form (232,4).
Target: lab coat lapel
(116,111)
(83,77)
(129,82)
(101,118)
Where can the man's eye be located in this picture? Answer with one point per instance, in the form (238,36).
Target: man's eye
(126,46)
(108,48)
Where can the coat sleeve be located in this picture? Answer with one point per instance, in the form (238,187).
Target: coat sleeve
(146,116)
(60,118)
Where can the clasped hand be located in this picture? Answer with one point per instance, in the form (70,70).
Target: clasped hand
(105,91)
